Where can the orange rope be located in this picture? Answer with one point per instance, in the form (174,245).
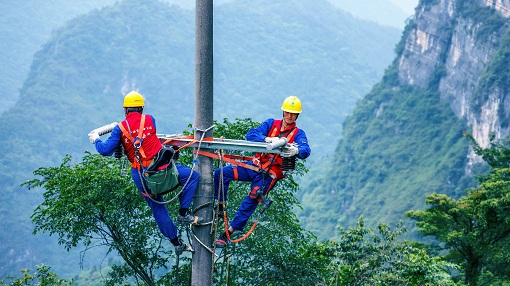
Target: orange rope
(225,223)
(186,145)
(227,158)
(183,146)
(167,141)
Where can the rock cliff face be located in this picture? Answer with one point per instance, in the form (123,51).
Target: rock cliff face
(445,40)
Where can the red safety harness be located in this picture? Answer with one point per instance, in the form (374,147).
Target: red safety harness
(272,163)
(136,143)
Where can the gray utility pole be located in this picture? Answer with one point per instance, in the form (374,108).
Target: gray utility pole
(201,268)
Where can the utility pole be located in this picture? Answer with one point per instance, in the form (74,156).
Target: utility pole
(202,258)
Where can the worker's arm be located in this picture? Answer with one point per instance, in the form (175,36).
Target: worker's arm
(259,133)
(108,147)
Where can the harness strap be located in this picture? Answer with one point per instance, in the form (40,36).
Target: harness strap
(265,161)
(139,138)
(136,163)
(167,141)
(236,173)
(228,159)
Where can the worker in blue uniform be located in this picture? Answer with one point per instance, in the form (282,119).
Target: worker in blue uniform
(265,170)
(123,134)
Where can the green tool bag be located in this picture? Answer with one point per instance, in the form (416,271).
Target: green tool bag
(162,176)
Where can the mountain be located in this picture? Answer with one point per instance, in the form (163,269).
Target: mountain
(25,26)
(28,24)
(264,51)
(404,140)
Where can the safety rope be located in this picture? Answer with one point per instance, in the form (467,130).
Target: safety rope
(225,217)
(225,222)
(202,224)
(214,229)
(195,163)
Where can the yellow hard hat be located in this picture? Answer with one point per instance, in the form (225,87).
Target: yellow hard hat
(292,104)
(133,99)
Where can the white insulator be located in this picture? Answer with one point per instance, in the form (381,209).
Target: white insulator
(105,129)
(278,143)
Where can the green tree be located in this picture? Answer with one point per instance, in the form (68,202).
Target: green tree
(93,204)
(475,228)
(363,257)
(497,155)
(42,277)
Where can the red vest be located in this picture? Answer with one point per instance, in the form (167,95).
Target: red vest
(272,163)
(148,140)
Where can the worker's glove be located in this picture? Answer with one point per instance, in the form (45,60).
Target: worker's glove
(290,151)
(93,135)
(271,139)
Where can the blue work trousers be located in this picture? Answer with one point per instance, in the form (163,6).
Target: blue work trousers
(159,211)
(259,180)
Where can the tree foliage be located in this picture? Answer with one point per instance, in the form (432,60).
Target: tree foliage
(91,203)
(364,257)
(497,155)
(42,277)
(475,228)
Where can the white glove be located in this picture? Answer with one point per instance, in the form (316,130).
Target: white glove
(275,142)
(93,135)
(271,139)
(290,151)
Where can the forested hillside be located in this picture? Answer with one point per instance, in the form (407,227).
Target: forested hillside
(25,25)
(405,139)
(28,24)
(264,52)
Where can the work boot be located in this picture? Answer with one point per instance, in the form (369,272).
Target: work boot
(189,219)
(179,249)
(222,241)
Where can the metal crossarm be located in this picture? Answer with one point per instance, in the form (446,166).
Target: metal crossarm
(219,143)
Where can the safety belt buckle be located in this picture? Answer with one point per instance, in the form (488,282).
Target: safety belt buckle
(137,143)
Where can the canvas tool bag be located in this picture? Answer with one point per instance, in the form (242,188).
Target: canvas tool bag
(162,176)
